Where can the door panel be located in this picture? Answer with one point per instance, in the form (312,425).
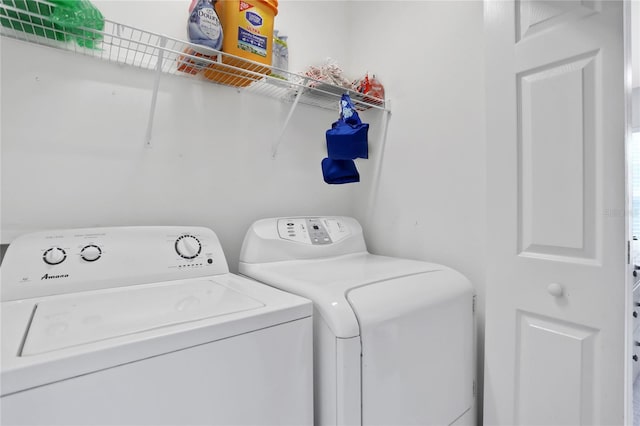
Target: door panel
(556,105)
(533,17)
(554,387)
(556,291)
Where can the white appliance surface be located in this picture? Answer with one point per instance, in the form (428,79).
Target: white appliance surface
(394,338)
(85,318)
(199,346)
(328,281)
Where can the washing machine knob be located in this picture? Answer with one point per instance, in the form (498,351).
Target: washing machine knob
(54,256)
(91,253)
(188,246)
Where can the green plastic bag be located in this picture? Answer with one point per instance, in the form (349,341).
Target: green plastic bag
(61,20)
(79,17)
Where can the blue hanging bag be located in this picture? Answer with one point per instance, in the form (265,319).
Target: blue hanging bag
(348,137)
(339,171)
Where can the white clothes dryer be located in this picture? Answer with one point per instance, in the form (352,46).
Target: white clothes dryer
(393,338)
(145,325)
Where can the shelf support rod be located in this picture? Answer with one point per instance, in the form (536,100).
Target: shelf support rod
(274,149)
(373,195)
(156,86)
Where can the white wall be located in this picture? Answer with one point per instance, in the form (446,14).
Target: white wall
(430,204)
(73,132)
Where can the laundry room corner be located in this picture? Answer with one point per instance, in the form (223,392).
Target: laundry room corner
(429,201)
(86,144)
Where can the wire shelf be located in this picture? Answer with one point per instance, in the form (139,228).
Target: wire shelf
(32,21)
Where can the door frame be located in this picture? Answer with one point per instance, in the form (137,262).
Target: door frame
(629,340)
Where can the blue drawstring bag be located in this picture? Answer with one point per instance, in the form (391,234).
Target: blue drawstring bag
(339,171)
(347,139)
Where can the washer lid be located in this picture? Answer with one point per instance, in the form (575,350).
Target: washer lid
(86,318)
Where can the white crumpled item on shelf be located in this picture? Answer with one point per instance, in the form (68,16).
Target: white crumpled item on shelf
(329,73)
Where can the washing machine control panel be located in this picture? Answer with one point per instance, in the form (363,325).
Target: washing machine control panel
(313,230)
(64,261)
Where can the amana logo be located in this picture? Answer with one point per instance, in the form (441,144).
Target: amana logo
(50,277)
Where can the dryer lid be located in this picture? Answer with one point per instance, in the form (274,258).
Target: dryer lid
(327,281)
(96,316)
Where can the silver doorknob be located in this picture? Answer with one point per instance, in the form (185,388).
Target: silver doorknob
(555,290)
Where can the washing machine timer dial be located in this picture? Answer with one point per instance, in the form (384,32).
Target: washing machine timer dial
(54,256)
(91,253)
(188,247)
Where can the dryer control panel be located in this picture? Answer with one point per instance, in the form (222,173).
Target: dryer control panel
(314,230)
(294,238)
(71,260)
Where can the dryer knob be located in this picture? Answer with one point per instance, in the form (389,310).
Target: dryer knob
(188,246)
(91,253)
(54,256)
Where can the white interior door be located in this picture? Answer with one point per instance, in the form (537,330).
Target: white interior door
(555,301)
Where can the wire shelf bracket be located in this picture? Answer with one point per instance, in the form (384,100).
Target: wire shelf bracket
(377,169)
(274,150)
(154,94)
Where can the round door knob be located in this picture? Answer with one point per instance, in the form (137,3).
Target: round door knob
(555,290)
(188,246)
(90,253)
(54,256)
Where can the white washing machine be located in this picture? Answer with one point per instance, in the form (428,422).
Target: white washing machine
(145,325)
(393,338)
